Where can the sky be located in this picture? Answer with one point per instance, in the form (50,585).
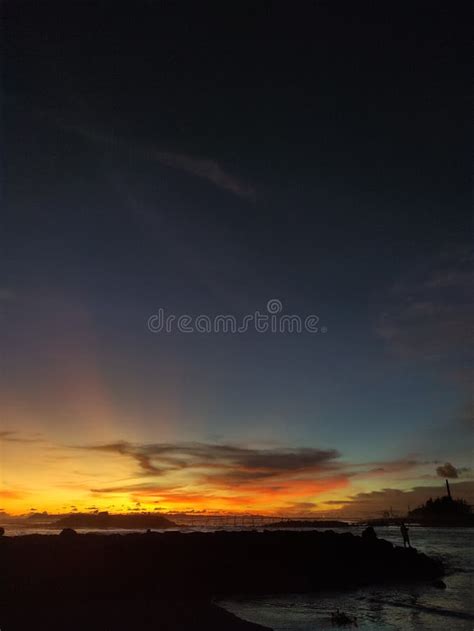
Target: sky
(163,162)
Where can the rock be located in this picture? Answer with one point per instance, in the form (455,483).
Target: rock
(68,533)
(439,584)
(369,534)
(2,531)
(250,563)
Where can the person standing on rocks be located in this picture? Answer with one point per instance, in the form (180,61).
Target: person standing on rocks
(405,535)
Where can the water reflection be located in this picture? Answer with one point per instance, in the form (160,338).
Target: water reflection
(416,607)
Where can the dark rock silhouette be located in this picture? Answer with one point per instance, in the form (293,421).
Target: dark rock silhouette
(168,580)
(104,520)
(341,619)
(2,531)
(369,533)
(68,532)
(439,584)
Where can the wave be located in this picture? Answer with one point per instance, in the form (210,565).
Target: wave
(450,613)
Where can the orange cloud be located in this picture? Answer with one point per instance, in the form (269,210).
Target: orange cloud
(11,495)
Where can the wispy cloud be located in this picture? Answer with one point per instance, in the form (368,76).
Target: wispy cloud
(207,169)
(228,464)
(14,437)
(198,166)
(429,314)
(223,476)
(10,495)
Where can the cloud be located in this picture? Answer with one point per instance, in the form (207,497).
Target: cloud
(300,508)
(204,168)
(214,476)
(223,476)
(428,315)
(447,471)
(10,495)
(227,464)
(13,437)
(377,502)
(378,469)
(207,169)
(231,477)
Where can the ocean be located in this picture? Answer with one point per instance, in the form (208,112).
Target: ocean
(415,607)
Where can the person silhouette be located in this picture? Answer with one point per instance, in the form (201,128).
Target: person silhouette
(405,535)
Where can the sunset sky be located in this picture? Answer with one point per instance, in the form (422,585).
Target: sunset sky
(156,161)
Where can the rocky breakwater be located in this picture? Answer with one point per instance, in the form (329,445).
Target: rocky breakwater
(168,580)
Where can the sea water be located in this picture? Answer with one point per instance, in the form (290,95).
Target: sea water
(412,607)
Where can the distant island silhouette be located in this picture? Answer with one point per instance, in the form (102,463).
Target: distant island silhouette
(443,511)
(439,512)
(104,520)
(307,523)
